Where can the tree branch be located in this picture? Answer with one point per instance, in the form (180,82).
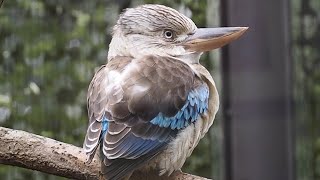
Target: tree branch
(23,149)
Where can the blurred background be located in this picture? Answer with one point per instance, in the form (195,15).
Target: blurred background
(268,125)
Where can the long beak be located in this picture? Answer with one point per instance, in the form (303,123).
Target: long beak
(206,39)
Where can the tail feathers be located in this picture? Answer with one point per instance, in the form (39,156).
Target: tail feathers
(90,156)
(117,169)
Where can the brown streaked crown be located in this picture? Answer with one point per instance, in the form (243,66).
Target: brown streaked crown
(150,18)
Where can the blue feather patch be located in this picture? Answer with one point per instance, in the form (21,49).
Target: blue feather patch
(105,125)
(196,104)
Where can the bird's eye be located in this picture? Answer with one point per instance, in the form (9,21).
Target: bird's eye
(168,34)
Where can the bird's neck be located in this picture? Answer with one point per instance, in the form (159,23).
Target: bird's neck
(118,47)
(190,58)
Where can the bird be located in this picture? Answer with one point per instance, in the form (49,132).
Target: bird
(153,101)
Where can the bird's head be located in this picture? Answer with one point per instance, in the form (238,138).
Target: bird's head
(160,30)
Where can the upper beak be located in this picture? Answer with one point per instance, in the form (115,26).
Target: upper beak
(206,39)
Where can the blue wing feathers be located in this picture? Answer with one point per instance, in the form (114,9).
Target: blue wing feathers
(138,147)
(197,103)
(105,126)
(133,147)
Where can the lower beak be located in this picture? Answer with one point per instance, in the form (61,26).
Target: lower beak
(206,39)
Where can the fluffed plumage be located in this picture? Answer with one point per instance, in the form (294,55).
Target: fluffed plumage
(152,102)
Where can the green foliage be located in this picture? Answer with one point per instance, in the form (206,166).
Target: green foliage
(306,52)
(49,50)
(48,53)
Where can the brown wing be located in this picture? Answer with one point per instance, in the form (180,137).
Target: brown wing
(97,99)
(129,93)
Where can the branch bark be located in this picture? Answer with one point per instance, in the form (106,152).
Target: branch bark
(23,149)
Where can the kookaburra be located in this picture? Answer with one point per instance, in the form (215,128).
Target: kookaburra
(153,101)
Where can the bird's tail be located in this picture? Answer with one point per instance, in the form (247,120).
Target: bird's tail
(122,169)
